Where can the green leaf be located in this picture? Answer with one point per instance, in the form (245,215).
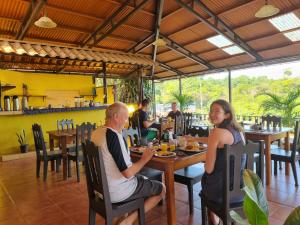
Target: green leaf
(255,215)
(254,190)
(237,218)
(293,218)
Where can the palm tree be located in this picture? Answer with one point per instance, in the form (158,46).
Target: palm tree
(184,100)
(285,105)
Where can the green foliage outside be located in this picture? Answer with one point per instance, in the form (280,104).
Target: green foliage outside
(204,90)
(284,105)
(184,100)
(255,205)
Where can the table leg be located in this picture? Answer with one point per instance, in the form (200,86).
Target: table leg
(64,155)
(268,159)
(169,181)
(287,148)
(51,146)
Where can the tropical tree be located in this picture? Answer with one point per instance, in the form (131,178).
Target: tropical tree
(184,100)
(284,104)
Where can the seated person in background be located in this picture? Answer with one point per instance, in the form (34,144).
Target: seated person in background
(226,131)
(123,182)
(175,112)
(144,122)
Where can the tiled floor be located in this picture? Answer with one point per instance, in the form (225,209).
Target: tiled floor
(26,200)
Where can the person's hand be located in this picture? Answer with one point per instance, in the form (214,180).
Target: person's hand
(147,154)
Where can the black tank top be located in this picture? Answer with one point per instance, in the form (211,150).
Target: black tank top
(212,184)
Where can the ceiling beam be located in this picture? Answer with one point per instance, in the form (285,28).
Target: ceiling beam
(108,21)
(118,24)
(231,35)
(169,68)
(159,11)
(134,49)
(32,11)
(187,53)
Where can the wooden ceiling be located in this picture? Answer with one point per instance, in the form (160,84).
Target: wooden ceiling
(130,26)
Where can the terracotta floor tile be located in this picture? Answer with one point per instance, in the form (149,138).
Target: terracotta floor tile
(45,216)
(26,200)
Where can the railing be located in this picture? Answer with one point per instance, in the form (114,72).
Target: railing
(202,119)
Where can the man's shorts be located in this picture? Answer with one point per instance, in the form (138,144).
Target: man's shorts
(145,188)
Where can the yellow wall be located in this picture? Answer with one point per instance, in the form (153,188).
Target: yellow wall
(38,84)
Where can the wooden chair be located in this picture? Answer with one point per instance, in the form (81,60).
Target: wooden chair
(41,152)
(187,118)
(192,175)
(179,125)
(271,122)
(292,156)
(232,182)
(152,174)
(98,192)
(83,132)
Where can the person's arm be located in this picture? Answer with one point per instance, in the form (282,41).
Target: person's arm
(148,123)
(137,166)
(123,162)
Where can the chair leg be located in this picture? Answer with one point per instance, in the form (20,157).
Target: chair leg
(57,163)
(45,169)
(203,213)
(69,168)
(275,167)
(141,213)
(38,167)
(280,165)
(92,216)
(293,164)
(77,171)
(191,197)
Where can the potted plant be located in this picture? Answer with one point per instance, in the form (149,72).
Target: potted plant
(22,139)
(256,207)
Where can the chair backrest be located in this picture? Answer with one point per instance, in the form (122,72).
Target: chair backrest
(65,124)
(237,158)
(83,133)
(198,131)
(133,135)
(271,122)
(179,125)
(296,142)
(135,122)
(96,180)
(187,118)
(39,141)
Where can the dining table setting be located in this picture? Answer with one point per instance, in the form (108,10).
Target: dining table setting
(169,157)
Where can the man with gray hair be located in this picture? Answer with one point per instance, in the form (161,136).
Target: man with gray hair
(123,181)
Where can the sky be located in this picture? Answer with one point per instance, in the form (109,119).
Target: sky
(275,71)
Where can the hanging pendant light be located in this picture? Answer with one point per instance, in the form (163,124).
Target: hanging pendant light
(45,22)
(266,11)
(159,42)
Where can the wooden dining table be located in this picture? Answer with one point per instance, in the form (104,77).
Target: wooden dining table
(268,136)
(63,137)
(168,166)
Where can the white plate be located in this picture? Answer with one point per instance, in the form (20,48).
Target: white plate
(201,149)
(169,154)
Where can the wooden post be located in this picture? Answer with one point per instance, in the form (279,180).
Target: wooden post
(104,83)
(229,86)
